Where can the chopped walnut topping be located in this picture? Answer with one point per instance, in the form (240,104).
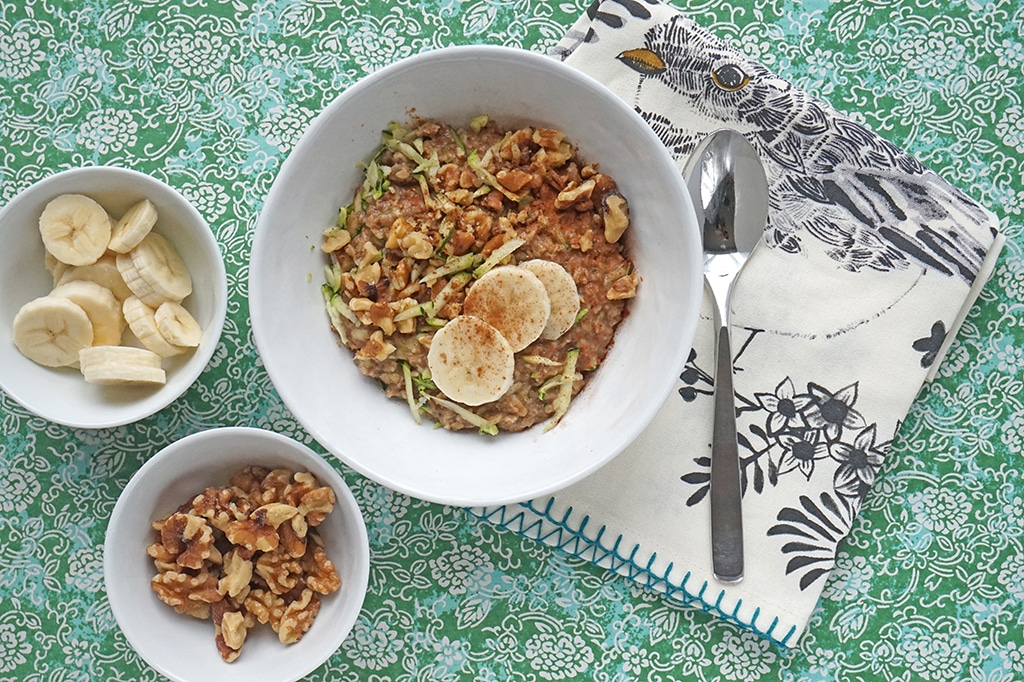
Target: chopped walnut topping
(514,180)
(376,347)
(623,287)
(293,536)
(574,193)
(230,630)
(249,480)
(303,481)
(616,216)
(261,522)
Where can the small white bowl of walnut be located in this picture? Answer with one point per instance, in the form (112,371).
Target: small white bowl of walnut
(236,554)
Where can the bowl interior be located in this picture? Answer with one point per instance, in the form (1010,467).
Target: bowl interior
(155,630)
(62,395)
(349,414)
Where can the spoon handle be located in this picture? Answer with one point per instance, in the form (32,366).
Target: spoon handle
(726,510)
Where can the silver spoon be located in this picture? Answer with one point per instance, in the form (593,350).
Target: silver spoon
(730,195)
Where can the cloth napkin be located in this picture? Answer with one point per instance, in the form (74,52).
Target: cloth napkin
(868,265)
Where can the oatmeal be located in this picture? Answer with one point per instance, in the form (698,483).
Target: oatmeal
(489,228)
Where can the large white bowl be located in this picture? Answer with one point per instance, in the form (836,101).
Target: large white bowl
(347,413)
(181,647)
(61,394)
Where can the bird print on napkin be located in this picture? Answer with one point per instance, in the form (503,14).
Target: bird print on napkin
(871,205)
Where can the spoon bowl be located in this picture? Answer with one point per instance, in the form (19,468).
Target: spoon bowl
(727,183)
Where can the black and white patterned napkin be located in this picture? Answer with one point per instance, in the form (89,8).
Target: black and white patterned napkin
(868,265)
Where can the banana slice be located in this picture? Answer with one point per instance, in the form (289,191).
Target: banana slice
(54,266)
(161,267)
(177,325)
(75,229)
(112,365)
(470,361)
(102,307)
(512,300)
(562,293)
(51,330)
(137,286)
(133,227)
(142,321)
(103,272)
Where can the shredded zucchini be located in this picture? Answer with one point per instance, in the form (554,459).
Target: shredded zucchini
(425,309)
(451,266)
(541,360)
(478,167)
(478,122)
(490,428)
(409,398)
(428,198)
(332,275)
(336,308)
(564,396)
(454,285)
(498,255)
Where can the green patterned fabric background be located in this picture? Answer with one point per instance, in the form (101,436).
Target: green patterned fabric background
(210,96)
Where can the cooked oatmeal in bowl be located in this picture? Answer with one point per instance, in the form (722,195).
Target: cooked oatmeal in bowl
(491,364)
(480,272)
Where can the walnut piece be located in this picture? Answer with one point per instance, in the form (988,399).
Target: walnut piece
(253,534)
(266,606)
(321,575)
(221,506)
(237,575)
(317,504)
(189,594)
(298,617)
(184,539)
(281,572)
(293,536)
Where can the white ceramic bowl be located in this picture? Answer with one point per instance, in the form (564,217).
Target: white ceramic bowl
(349,414)
(181,647)
(62,395)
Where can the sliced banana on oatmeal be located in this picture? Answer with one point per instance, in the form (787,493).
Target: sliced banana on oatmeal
(470,361)
(512,300)
(75,229)
(562,293)
(102,307)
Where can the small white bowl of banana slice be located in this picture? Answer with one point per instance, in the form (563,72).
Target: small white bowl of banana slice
(114,296)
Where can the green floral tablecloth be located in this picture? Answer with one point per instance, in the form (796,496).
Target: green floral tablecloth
(210,96)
